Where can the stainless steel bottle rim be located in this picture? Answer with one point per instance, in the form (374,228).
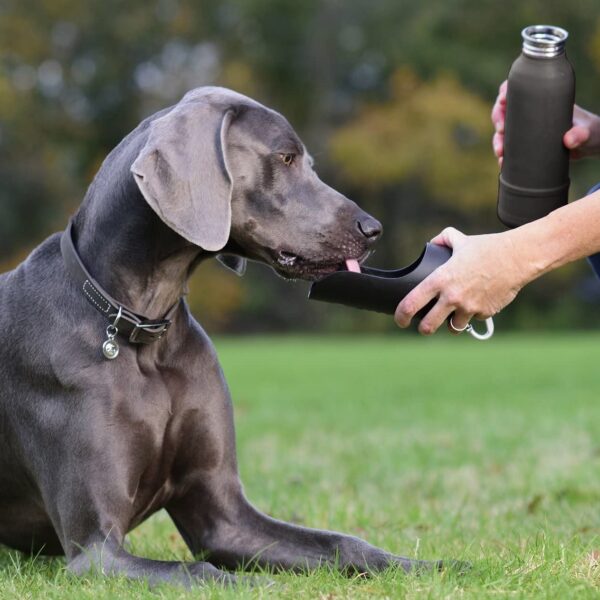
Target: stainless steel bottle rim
(544,41)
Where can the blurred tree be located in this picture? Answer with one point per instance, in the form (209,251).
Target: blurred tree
(402,89)
(436,132)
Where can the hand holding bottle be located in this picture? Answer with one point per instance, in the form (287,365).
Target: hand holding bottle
(583,139)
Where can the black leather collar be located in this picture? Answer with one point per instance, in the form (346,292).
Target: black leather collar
(137,328)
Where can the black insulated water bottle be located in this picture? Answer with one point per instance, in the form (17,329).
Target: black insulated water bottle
(539,110)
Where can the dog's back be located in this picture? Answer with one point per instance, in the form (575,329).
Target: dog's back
(28,298)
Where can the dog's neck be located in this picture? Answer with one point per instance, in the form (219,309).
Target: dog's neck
(125,246)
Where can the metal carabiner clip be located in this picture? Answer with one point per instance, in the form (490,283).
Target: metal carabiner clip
(485,335)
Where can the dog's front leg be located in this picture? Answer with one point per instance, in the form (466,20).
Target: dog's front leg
(91,497)
(214,517)
(107,557)
(234,534)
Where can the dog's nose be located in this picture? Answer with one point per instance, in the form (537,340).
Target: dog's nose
(371,228)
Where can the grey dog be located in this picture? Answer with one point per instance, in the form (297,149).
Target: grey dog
(91,447)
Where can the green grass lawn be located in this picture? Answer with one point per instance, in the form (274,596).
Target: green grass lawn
(434,448)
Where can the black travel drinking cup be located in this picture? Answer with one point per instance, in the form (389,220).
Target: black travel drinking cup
(379,290)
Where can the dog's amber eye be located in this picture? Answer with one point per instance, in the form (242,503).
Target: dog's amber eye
(288,159)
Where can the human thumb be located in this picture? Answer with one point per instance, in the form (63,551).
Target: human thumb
(449,237)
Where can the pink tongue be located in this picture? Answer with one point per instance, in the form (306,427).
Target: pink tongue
(352,265)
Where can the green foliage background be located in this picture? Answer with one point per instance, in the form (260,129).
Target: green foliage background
(391,96)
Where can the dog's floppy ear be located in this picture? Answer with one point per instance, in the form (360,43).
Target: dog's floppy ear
(183,174)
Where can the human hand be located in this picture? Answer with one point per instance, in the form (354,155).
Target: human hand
(483,275)
(583,139)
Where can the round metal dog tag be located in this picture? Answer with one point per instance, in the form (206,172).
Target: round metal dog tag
(110,349)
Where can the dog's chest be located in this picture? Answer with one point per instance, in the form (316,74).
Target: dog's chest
(171,440)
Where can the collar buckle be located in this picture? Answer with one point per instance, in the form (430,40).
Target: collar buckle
(143,333)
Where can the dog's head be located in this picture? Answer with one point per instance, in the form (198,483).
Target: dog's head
(231,175)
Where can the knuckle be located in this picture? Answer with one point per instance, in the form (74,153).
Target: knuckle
(441,282)
(399,321)
(425,329)
(453,298)
(469,308)
(406,309)
(401,317)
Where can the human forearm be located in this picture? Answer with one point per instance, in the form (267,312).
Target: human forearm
(567,234)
